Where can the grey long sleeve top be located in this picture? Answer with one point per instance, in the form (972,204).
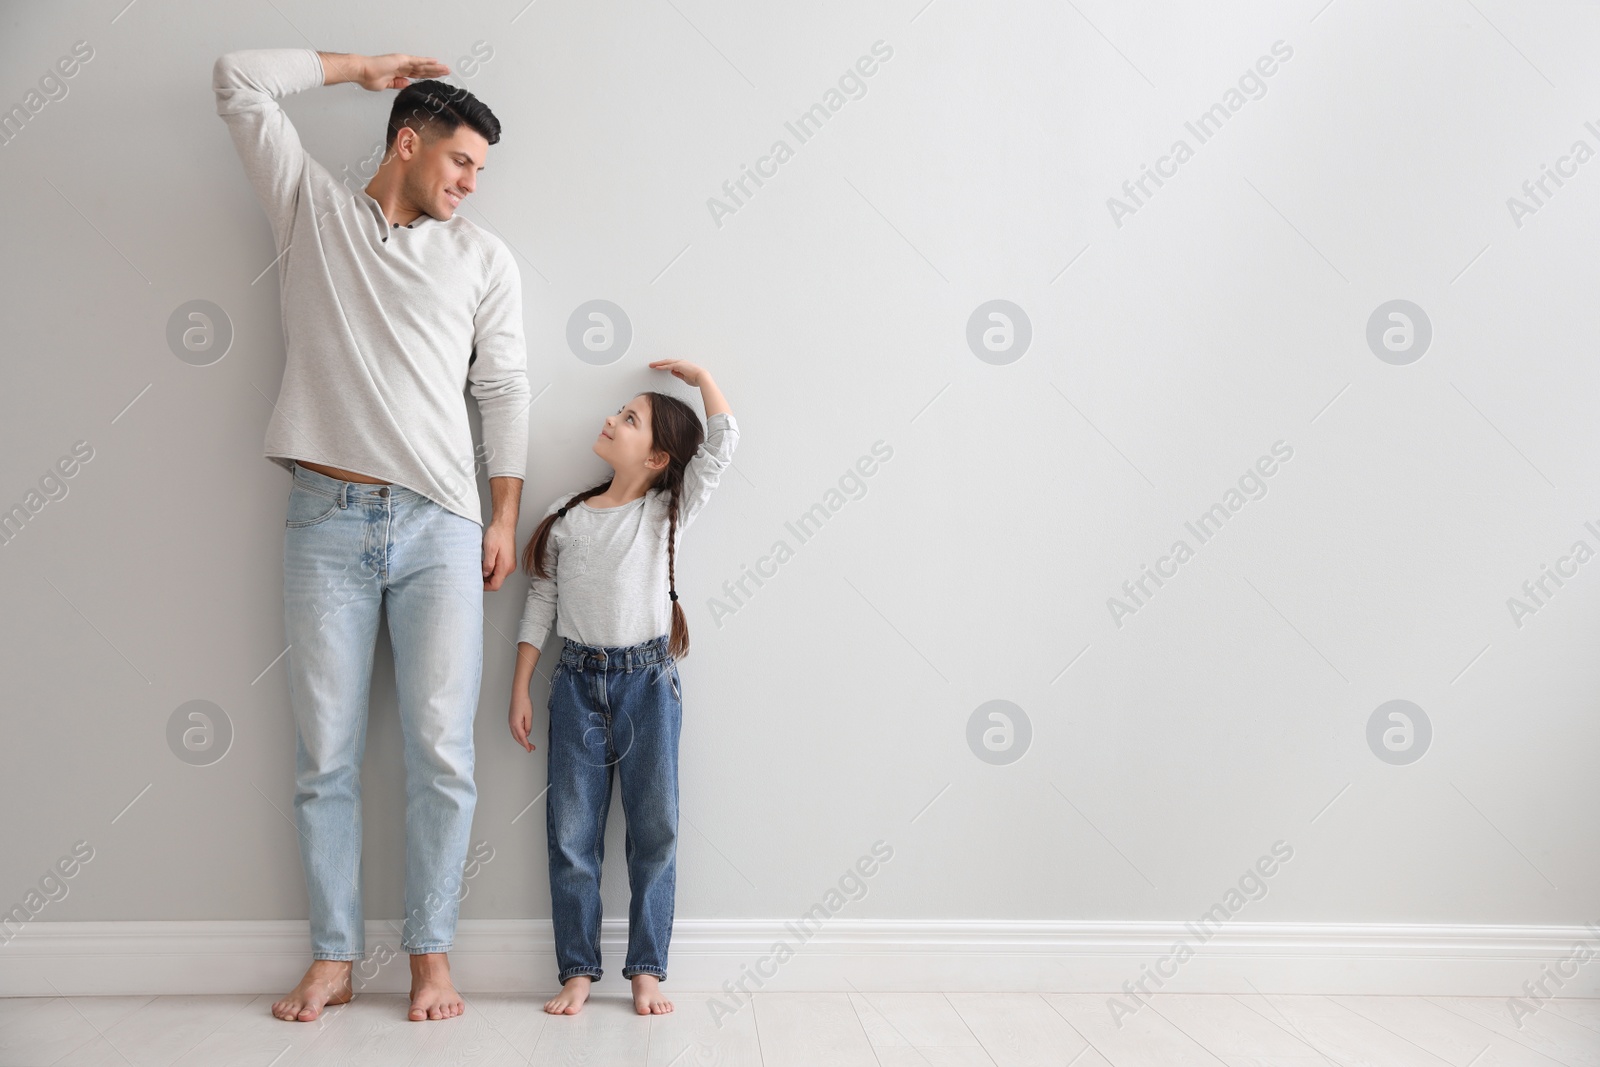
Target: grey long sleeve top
(385,326)
(609,565)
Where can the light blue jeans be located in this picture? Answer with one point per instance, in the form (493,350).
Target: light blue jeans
(350,551)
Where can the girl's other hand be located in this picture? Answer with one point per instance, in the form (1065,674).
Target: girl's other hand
(522,719)
(681,368)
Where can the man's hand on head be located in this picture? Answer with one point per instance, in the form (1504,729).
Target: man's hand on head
(396,70)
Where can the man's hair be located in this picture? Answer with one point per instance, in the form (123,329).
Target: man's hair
(436,109)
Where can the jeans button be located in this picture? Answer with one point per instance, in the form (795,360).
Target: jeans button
(384,491)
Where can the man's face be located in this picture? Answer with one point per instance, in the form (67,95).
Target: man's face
(441,173)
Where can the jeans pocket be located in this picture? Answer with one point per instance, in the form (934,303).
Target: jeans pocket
(308,507)
(665,672)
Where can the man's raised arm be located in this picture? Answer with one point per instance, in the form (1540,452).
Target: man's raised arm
(248,84)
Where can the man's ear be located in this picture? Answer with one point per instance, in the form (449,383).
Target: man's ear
(407,143)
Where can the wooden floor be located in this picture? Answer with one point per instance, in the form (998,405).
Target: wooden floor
(811,1030)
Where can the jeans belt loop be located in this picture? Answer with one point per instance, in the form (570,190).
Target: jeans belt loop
(344,495)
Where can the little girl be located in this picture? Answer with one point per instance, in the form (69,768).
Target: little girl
(601,564)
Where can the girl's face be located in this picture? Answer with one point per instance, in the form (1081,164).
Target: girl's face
(625,441)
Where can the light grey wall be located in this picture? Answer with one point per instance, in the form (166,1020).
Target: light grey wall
(1172,348)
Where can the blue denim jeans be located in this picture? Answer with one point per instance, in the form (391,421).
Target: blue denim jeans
(350,551)
(613,709)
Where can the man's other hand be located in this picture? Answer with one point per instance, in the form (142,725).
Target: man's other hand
(499,554)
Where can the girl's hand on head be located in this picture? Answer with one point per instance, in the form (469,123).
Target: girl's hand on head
(522,720)
(681,368)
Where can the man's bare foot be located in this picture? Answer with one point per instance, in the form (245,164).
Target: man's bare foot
(574,991)
(432,994)
(326,982)
(647,996)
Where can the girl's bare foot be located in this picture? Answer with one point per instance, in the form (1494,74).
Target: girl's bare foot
(433,996)
(574,991)
(647,996)
(326,982)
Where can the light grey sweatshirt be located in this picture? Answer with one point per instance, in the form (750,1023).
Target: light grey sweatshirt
(609,565)
(385,326)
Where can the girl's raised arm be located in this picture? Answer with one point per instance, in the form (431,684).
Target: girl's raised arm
(704,471)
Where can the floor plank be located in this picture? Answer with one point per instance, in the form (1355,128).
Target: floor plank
(694,1036)
(516,1019)
(933,1056)
(811,1030)
(154,1034)
(1546,1032)
(827,1029)
(1232,1032)
(249,1037)
(1144,1039)
(1337,1032)
(1585,1013)
(1021,1030)
(370,1031)
(40,1030)
(607,1031)
(915,1020)
(1449,1036)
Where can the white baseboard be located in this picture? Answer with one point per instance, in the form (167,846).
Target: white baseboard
(517,955)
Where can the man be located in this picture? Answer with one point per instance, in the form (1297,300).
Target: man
(393,306)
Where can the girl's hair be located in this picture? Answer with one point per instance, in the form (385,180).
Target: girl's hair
(674,429)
